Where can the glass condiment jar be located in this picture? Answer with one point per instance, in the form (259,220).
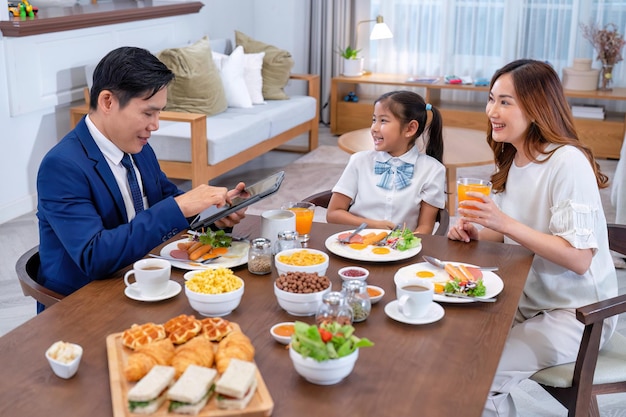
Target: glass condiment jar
(334,308)
(287,240)
(260,256)
(357,298)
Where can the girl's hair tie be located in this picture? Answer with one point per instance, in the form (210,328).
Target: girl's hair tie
(428,106)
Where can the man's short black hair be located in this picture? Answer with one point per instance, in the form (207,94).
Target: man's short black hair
(129,72)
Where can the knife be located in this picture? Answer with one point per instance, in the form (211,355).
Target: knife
(468,297)
(436,262)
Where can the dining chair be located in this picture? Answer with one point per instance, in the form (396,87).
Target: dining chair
(27,267)
(595,372)
(322,199)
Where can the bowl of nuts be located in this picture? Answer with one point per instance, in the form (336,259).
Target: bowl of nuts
(301,293)
(301,260)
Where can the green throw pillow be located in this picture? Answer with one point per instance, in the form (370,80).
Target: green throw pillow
(277,64)
(197,87)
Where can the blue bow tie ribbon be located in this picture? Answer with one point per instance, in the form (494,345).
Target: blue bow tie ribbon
(403,176)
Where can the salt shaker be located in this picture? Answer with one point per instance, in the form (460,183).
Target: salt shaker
(287,240)
(334,308)
(357,298)
(260,256)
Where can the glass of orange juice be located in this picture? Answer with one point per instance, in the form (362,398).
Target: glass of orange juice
(304,217)
(472,184)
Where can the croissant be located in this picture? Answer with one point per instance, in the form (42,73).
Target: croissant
(197,351)
(145,357)
(234,345)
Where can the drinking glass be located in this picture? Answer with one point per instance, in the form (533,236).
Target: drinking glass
(304,212)
(472,184)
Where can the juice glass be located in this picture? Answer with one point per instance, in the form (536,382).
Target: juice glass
(472,184)
(304,217)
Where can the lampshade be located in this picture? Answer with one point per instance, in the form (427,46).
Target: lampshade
(380,30)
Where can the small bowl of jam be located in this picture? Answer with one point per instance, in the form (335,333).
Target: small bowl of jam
(353,272)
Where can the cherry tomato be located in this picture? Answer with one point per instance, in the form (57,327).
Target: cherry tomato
(326,335)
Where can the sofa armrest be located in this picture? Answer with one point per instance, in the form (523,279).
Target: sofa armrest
(199,150)
(313,81)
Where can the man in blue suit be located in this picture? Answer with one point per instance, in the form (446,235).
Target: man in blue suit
(89,225)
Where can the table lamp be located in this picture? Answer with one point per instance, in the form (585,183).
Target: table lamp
(379,31)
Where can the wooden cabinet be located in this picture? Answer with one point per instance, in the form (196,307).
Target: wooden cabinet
(603,136)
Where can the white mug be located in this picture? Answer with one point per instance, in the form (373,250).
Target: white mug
(275,221)
(151,276)
(415,296)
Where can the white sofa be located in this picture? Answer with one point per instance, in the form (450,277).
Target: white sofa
(199,148)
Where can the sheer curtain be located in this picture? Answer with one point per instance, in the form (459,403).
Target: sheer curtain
(476,37)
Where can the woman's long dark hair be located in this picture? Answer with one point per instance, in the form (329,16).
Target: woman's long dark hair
(540,94)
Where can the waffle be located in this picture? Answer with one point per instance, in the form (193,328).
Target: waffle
(215,328)
(140,335)
(182,328)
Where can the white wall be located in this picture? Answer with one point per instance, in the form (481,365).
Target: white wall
(42,75)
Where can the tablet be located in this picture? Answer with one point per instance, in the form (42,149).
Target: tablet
(251,195)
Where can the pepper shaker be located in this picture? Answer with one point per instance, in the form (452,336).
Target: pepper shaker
(260,256)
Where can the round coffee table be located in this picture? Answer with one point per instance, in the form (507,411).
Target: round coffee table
(461,148)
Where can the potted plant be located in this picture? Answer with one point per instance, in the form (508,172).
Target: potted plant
(608,42)
(352,63)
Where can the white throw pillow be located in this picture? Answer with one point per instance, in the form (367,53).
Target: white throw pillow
(232,73)
(254,77)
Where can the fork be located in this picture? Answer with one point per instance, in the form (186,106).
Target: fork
(351,235)
(186,261)
(383,241)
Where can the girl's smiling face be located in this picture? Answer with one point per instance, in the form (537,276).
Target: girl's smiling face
(509,122)
(388,133)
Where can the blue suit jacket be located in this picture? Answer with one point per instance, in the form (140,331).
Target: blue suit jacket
(83,229)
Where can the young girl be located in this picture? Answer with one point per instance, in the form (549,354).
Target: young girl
(547,199)
(395,183)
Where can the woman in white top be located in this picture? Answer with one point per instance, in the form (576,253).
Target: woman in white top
(395,183)
(546,198)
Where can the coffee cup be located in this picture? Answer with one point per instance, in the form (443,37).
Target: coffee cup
(274,222)
(151,276)
(414,298)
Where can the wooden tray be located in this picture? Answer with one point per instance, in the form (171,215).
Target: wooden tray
(260,405)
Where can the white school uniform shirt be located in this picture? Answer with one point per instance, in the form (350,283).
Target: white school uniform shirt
(358,181)
(561,197)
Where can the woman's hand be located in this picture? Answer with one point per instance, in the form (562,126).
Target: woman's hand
(463,231)
(484,213)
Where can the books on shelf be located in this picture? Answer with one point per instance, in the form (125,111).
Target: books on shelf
(588,112)
(423,80)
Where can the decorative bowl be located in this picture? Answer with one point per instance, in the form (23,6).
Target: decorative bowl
(281,332)
(214,305)
(375,293)
(348,273)
(283,268)
(327,372)
(300,304)
(64,358)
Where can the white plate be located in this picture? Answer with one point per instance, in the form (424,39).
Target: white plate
(376,299)
(237,255)
(173,288)
(341,249)
(435,313)
(493,283)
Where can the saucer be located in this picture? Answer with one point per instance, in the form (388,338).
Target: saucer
(173,288)
(435,313)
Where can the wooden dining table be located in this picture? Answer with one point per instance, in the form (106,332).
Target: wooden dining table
(443,368)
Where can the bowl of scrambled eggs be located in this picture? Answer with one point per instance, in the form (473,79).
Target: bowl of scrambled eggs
(213,292)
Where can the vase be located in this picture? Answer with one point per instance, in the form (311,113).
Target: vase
(606,77)
(352,67)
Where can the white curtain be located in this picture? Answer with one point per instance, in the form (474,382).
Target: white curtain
(476,37)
